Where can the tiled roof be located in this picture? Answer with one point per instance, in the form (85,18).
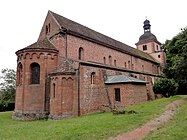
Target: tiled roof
(74,27)
(122,79)
(44,44)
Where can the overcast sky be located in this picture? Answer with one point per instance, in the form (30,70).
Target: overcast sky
(21,20)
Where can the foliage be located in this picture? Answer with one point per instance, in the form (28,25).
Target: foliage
(7,89)
(91,127)
(176,58)
(166,87)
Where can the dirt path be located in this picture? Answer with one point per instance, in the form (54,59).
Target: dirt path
(139,133)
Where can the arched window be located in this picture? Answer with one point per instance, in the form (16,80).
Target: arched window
(19,74)
(46,29)
(35,73)
(81,53)
(125,65)
(110,60)
(129,64)
(54,90)
(49,26)
(132,66)
(104,60)
(144,47)
(142,68)
(115,63)
(93,78)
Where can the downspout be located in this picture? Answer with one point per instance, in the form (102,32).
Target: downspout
(78,90)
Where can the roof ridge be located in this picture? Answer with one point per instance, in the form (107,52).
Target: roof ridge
(99,37)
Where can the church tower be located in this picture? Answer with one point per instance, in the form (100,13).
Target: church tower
(148,43)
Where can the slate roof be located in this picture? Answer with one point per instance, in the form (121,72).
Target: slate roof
(116,79)
(84,31)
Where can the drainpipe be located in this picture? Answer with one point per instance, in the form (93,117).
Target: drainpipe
(79,90)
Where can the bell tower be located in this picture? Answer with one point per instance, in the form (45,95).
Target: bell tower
(148,43)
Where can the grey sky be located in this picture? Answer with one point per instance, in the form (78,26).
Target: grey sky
(21,20)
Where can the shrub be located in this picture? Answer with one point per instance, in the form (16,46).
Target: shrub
(166,87)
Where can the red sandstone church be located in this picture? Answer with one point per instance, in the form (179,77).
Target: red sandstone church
(72,70)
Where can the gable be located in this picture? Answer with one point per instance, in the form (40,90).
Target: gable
(50,26)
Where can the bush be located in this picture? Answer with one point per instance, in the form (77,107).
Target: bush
(166,87)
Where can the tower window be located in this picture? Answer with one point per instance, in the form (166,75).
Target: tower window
(144,47)
(117,94)
(35,73)
(158,56)
(157,47)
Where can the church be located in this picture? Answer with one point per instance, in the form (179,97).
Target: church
(72,70)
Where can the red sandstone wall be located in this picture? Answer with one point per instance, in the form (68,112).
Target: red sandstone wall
(64,102)
(131,94)
(31,97)
(95,53)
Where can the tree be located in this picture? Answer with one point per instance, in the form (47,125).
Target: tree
(166,87)
(7,88)
(176,59)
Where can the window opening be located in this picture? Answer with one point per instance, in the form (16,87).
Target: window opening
(117,95)
(144,47)
(35,73)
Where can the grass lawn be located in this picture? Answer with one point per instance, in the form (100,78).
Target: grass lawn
(176,129)
(91,127)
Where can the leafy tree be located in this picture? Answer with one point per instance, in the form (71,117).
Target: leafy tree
(166,87)
(176,59)
(7,88)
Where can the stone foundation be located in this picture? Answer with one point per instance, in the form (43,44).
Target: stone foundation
(29,115)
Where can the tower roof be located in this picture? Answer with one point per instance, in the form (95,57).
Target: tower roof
(147,36)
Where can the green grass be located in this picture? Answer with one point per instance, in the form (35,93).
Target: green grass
(91,127)
(176,129)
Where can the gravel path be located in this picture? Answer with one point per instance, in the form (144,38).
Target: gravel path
(141,132)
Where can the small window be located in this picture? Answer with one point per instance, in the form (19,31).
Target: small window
(35,73)
(129,64)
(132,66)
(81,53)
(143,68)
(114,62)
(104,60)
(144,47)
(110,60)
(54,90)
(158,56)
(157,47)
(49,27)
(93,78)
(19,74)
(46,29)
(117,94)
(125,65)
